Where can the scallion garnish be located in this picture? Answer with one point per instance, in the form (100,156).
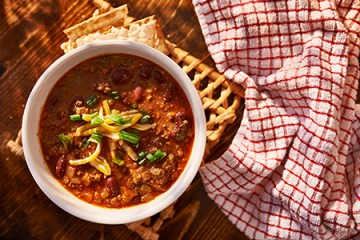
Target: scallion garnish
(85,143)
(91,101)
(151,157)
(114,117)
(75,117)
(124,120)
(114,95)
(143,112)
(145,119)
(96,137)
(159,154)
(119,120)
(141,155)
(65,140)
(129,137)
(118,161)
(96,121)
(142,161)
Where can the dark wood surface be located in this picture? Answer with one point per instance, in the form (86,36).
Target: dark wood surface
(30,36)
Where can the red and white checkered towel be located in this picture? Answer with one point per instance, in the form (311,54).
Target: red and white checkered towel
(293,169)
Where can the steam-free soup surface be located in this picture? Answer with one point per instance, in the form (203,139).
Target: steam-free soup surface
(116,130)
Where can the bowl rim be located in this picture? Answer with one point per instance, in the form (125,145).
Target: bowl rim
(53,188)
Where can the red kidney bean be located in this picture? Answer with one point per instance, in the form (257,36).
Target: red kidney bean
(60,167)
(158,76)
(145,70)
(121,76)
(181,126)
(112,184)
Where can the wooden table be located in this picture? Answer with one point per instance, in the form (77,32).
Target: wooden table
(30,36)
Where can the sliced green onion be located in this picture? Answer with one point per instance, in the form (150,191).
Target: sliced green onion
(142,161)
(118,119)
(145,119)
(65,140)
(96,137)
(142,155)
(96,121)
(129,137)
(118,161)
(114,95)
(75,117)
(124,120)
(114,117)
(143,112)
(91,101)
(84,144)
(159,154)
(151,157)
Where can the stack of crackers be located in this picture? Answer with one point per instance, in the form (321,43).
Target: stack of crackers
(115,24)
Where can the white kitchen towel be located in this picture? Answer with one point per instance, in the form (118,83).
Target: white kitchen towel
(293,168)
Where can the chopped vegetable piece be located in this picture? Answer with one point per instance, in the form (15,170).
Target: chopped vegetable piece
(114,95)
(96,137)
(129,137)
(118,161)
(75,117)
(142,155)
(114,117)
(143,112)
(125,120)
(91,101)
(84,144)
(151,157)
(96,121)
(159,154)
(145,119)
(65,140)
(142,161)
(118,119)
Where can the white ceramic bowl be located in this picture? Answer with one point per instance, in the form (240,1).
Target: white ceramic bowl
(52,187)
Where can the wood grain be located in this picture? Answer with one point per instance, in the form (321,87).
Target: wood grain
(30,36)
